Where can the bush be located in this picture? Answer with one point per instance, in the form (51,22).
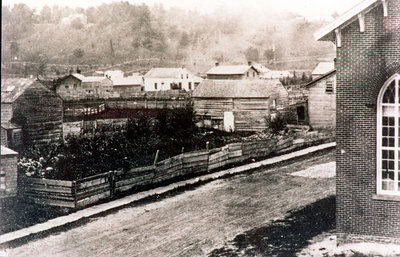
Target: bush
(279,123)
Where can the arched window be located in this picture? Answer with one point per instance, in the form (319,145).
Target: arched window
(388,138)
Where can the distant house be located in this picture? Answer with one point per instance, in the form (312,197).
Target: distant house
(367,39)
(262,70)
(160,79)
(8,173)
(114,74)
(238,105)
(233,72)
(128,86)
(322,101)
(77,87)
(277,74)
(322,68)
(30,112)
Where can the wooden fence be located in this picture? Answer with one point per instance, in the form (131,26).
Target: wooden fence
(83,192)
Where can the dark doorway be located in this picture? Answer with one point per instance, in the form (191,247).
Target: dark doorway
(301,113)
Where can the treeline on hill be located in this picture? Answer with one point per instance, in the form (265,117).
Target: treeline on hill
(171,132)
(120,31)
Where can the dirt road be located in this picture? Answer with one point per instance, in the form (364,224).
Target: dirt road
(194,222)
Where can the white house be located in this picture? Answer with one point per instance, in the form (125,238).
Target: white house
(160,79)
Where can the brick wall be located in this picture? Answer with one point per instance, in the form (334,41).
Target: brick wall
(364,62)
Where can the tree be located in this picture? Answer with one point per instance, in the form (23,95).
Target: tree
(269,54)
(184,41)
(251,54)
(79,53)
(45,14)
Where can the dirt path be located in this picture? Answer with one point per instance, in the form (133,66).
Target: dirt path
(194,222)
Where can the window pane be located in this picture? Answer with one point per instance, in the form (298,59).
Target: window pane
(388,97)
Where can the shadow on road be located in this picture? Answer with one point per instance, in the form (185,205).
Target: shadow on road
(283,237)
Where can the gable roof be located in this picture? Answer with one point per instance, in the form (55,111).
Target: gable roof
(260,68)
(314,82)
(323,67)
(78,76)
(326,33)
(164,73)
(229,69)
(236,88)
(127,81)
(93,79)
(87,79)
(12,88)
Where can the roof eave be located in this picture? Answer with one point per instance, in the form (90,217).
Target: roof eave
(327,32)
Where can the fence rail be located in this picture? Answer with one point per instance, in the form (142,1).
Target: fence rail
(86,191)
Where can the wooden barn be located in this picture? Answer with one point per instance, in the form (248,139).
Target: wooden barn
(8,173)
(28,105)
(322,101)
(238,105)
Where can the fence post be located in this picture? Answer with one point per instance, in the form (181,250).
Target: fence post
(74,191)
(155,159)
(111,180)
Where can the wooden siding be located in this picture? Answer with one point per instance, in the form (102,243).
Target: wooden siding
(43,112)
(213,108)
(84,90)
(322,105)
(8,176)
(6,112)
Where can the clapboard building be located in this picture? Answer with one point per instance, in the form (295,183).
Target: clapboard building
(322,101)
(367,39)
(77,87)
(238,105)
(223,72)
(31,108)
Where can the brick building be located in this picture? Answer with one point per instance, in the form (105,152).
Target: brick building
(367,38)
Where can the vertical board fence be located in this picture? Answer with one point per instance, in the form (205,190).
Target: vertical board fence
(86,191)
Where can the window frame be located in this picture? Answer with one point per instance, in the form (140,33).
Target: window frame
(331,87)
(379,135)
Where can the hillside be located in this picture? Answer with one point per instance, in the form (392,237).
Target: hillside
(143,36)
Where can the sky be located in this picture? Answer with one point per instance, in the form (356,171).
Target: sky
(311,9)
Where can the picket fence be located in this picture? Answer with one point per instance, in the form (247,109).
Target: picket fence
(86,191)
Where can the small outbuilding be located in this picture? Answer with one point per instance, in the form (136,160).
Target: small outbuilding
(238,105)
(322,101)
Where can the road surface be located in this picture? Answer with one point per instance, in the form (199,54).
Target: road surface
(193,222)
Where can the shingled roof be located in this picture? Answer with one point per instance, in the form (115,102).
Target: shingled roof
(229,69)
(12,88)
(164,73)
(236,88)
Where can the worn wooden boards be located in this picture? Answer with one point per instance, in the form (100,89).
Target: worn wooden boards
(89,190)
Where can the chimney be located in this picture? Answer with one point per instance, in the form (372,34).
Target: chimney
(249,63)
(216,64)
